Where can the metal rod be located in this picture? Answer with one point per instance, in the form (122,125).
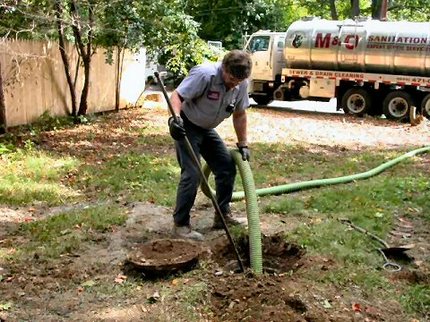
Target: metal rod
(366,232)
(197,163)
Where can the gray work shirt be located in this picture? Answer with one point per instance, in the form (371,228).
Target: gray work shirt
(205,96)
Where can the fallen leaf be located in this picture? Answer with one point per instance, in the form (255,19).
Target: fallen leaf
(120,279)
(175,282)
(379,215)
(89,283)
(326,304)
(154,298)
(5,306)
(356,307)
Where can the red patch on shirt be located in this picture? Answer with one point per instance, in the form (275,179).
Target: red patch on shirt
(214,96)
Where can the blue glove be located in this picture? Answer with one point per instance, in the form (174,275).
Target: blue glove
(176,128)
(245,152)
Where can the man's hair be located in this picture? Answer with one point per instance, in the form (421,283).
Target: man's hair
(238,64)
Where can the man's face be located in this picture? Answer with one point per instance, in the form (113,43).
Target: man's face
(229,80)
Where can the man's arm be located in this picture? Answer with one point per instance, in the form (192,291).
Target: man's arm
(176,101)
(240,124)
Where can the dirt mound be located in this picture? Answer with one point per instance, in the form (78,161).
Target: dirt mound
(258,298)
(247,297)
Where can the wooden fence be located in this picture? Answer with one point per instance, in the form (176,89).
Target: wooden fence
(34,81)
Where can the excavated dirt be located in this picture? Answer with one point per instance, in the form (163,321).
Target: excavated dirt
(259,298)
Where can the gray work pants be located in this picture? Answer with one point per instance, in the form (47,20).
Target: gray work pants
(209,145)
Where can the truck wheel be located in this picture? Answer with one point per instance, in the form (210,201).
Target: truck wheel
(396,105)
(262,99)
(356,101)
(425,106)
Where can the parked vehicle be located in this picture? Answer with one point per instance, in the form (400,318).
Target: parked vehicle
(369,66)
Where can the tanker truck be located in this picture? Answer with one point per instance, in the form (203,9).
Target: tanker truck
(371,67)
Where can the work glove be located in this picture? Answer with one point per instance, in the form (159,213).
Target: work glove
(176,128)
(245,152)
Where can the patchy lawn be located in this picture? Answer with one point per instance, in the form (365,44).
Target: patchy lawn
(66,233)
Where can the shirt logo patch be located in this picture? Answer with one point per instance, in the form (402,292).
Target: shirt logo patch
(214,96)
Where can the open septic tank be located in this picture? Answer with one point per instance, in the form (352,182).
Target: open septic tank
(164,257)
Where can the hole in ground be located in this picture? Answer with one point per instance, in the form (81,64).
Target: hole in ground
(278,255)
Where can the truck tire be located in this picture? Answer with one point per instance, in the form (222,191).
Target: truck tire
(356,101)
(396,105)
(262,99)
(425,106)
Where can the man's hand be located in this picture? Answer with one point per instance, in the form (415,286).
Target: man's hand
(245,152)
(176,128)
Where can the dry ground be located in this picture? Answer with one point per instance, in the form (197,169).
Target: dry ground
(74,287)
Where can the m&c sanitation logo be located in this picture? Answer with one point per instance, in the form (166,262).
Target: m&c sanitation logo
(298,40)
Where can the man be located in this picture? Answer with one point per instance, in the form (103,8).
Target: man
(207,96)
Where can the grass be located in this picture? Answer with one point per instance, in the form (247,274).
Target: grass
(68,231)
(136,177)
(417,299)
(28,176)
(192,297)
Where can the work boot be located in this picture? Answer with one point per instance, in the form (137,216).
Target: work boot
(187,233)
(229,220)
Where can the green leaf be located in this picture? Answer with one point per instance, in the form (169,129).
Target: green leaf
(89,283)
(5,306)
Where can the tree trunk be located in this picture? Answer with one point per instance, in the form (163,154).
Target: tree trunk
(3,124)
(379,9)
(118,78)
(84,51)
(376,9)
(83,106)
(384,8)
(355,8)
(64,57)
(333,10)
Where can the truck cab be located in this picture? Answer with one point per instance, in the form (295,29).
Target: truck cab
(266,49)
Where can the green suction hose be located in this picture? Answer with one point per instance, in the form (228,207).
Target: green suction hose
(250,194)
(251,211)
(292,187)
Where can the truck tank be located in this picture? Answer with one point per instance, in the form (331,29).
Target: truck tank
(371,46)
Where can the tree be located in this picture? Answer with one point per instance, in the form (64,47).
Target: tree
(333,10)
(53,19)
(3,125)
(62,48)
(83,35)
(413,10)
(244,17)
(355,8)
(161,26)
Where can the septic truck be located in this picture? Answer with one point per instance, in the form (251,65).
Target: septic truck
(370,66)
